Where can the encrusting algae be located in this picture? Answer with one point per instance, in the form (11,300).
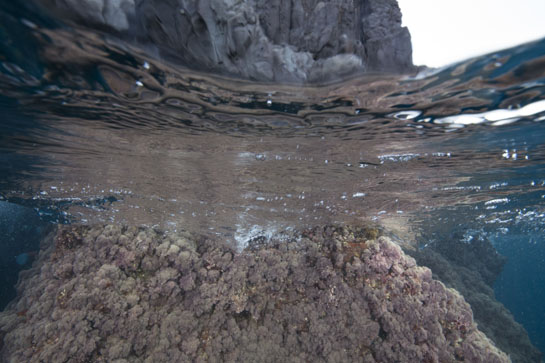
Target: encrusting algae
(337,294)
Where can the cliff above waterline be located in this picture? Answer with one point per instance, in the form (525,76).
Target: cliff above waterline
(281,41)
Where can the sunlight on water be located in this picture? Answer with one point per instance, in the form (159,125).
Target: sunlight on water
(497,117)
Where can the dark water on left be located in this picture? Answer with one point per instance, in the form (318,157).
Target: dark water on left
(95,130)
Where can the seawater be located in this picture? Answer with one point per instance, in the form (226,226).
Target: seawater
(98,130)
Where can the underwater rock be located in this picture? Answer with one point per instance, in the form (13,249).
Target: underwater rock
(471,268)
(336,294)
(266,40)
(475,253)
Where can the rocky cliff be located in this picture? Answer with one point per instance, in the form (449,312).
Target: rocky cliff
(270,40)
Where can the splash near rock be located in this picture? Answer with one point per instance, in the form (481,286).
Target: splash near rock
(301,40)
(335,294)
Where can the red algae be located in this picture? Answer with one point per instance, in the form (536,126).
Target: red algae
(332,294)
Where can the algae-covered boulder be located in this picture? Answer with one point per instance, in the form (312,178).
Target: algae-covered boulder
(336,294)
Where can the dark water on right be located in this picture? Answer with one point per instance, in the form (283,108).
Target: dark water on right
(520,285)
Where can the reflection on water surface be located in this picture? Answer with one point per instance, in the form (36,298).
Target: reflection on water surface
(103,132)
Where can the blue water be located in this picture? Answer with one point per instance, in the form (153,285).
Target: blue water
(95,130)
(21,230)
(520,286)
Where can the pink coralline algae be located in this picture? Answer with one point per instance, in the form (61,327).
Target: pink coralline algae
(335,294)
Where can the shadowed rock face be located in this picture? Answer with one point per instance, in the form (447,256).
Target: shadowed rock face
(471,267)
(278,40)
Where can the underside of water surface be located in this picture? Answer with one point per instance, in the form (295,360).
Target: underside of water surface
(166,214)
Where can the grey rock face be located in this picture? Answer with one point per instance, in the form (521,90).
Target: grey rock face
(271,40)
(113,14)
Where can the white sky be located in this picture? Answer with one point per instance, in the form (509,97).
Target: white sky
(446,31)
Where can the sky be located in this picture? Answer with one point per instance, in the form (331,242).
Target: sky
(446,31)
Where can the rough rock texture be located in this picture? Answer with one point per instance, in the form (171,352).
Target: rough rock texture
(135,295)
(474,252)
(273,40)
(471,267)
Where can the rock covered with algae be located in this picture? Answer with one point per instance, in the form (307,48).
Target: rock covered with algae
(471,267)
(335,294)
